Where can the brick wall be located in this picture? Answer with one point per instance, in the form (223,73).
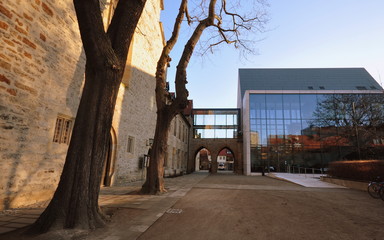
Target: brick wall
(41,76)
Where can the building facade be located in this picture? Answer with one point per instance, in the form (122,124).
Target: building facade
(213,132)
(41,77)
(178,145)
(309,117)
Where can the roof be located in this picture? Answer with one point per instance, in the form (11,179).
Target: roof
(306,79)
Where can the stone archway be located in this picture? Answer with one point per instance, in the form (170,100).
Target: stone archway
(215,146)
(225,160)
(202,159)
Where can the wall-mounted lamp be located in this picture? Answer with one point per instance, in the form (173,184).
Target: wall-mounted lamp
(150,142)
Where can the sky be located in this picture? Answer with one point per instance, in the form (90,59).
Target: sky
(299,34)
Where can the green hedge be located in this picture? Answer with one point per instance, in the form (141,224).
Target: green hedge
(360,170)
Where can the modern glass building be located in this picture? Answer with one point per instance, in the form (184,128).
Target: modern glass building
(309,117)
(215,123)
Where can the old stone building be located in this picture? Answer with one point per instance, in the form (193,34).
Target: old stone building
(178,145)
(41,77)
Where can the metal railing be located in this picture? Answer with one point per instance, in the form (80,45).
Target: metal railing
(314,172)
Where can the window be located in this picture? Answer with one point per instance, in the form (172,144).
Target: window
(131,144)
(63,129)
(175,127)
(180,130)
(183,133)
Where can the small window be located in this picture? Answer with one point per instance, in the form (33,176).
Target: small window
(180,126)
(175,127)
(373,87)
(310,87)
(131,144)
(63,130)
(322,88)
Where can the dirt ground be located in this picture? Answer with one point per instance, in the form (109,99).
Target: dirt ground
(265,208)
(227,206)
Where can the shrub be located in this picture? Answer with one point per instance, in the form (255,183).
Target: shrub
(361,170)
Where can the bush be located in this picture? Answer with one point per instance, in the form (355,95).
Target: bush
(360,170)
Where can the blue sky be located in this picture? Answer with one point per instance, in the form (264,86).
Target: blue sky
(301,34)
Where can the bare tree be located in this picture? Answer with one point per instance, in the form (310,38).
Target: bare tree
(75,202)
(227,26)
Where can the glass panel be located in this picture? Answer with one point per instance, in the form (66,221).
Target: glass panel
(263,138)
(231,133)
(221,120)
(293,127)
(257,103)
(308,105)
(199,119)
(255,139)
(208,133)
(230,119)
(291,105)
(274,106)
(220,133)
(209,120)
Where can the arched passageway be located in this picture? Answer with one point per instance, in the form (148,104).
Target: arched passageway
(225,160)
(217,147)
(203,159)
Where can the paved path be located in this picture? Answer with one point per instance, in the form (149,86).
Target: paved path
(305,180)
(240,207)
(227,206)
(139,212)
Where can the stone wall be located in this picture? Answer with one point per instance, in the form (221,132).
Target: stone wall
(178,142)
(41,76)
(137,117)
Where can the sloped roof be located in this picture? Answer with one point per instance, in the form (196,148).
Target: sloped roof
(306,79)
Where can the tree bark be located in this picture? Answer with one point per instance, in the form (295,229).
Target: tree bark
(75,201)
(154,183)
(167,109)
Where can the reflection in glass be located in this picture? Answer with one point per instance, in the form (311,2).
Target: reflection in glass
(314,129)
(308,104)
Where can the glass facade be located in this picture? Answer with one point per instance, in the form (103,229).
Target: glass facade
(215,123)
(311,130)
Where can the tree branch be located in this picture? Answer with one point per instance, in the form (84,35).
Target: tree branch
(161,93)
(181,100)
(91,30)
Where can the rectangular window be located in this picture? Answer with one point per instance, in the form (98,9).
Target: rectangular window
(175,127)
(131,144)
(183,137)
(180,130)
(63,130)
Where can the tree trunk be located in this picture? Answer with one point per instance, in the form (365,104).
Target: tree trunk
(165,111)
(75,202)
(154,183)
